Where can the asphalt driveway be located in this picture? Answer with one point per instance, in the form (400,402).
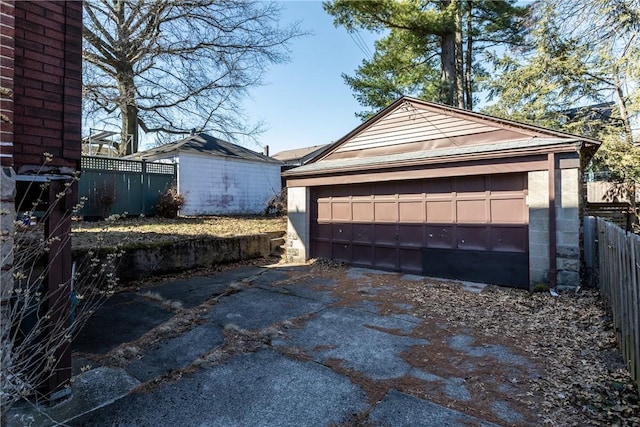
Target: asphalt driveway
(305,345)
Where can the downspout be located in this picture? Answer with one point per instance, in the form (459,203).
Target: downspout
(553,272)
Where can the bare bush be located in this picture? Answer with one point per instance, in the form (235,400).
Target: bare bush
(277,205)
(170,203)
(38,324)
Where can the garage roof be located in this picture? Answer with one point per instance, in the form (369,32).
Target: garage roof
(413,157)
(412,131)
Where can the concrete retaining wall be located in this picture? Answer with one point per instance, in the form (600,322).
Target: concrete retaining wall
(146,261)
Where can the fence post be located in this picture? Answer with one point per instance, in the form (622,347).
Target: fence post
(145,185)
(589,242)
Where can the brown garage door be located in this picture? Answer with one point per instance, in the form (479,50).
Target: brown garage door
(468,228)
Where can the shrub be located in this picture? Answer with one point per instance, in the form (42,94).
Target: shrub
(170,203)
(106,197)
(277,205)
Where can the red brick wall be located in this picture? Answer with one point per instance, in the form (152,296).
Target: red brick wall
(47,82)
(7,31)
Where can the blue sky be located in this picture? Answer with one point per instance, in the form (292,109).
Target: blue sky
(306,102)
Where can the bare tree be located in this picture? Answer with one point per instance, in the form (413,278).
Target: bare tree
(168,67)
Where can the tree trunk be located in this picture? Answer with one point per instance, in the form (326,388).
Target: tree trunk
(448,76)
(460,75)
(128,113)
(447,62)
(130,129)
(468,82)
(622,105)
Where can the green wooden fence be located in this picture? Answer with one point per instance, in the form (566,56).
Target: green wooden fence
(114,186)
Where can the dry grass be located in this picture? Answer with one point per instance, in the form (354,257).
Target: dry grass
(132,231)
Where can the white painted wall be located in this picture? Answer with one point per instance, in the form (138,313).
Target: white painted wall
(298,211)
(220,186)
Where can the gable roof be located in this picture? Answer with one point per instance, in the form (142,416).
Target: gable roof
(413,131)
(203,143)
(300,156)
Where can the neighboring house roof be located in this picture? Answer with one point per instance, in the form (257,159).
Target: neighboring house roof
(412,131)
(300,156)
(203,143)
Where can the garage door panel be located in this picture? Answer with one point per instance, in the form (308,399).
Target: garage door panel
(362,233)
(508,211)
(323,192)
(322,249)
(509,239)
(411,190)
(472,237)
(471,211)
(442,236)
(342,191)
(411,260)
(508,182)
(323,231)
(362,254)
(341,252)
(361,191)
(341,232)
(411,211)
(385,212)
(470,185)
(362,211)
(324,211)
(437,187)
(341,211)
(386,190)
(385,257)
(440,212)
(385,234)
(499,268)
(410,235)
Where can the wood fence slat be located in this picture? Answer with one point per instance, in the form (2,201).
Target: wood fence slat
(617,260)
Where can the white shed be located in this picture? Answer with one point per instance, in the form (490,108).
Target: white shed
(217,177)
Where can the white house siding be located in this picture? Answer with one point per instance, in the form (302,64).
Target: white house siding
(220,186)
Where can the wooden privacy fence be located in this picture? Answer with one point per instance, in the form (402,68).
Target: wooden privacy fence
(115,186)
(614,256)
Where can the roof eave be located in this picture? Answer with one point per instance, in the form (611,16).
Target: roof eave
(526,151)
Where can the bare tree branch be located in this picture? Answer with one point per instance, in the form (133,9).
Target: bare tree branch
(172,66)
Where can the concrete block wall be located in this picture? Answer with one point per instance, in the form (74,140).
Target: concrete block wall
(144,261)
(567,188)
(217,186)
(298,205)
(568,228)
(538,195)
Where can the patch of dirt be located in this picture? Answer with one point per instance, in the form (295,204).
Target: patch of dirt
(133,231)
(574,375)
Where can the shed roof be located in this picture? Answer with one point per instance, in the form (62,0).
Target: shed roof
(203,143)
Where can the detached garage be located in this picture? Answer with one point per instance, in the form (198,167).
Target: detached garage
(430,189)
(217,177)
